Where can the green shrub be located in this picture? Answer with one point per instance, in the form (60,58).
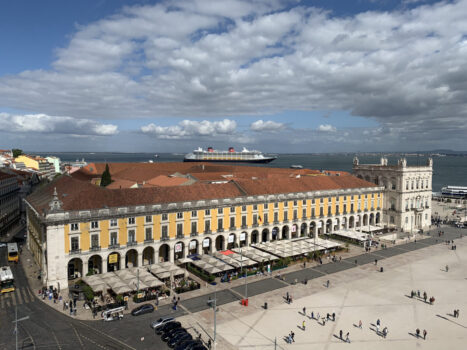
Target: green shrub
(88,292)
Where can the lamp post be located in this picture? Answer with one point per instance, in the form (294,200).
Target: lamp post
(213,303)
(16,324)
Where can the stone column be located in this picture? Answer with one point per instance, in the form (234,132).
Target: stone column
(85,266)
(185,249)
(104,266)
(156,255)
(140,259)
(171,254)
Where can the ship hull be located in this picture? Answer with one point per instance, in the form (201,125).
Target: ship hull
(258,161)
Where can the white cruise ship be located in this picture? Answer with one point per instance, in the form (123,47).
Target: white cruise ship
(212,155)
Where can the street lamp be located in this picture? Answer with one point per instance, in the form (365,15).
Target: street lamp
(16,324)
(213,303)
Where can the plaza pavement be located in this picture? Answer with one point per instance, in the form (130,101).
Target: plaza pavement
(356,293)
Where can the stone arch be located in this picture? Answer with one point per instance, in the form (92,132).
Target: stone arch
(336,225)
(148,256)
(193,247)
(220,242)
(113,261)
(179,250)
(312,228)
(254,237)
(264,235)
(75,268)
(321,227)
(377,218)
(352,222)
(303,229)
(372,219)
(285,232)
(164,252)
(243,239)
(232,241)
(95,264)
(275,233)
(365,220)
(328,226)
(358,221)
(294,231)
(344,223)
(131,258)
(207,245)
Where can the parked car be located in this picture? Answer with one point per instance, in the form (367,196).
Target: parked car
(143,309)
(178,339)
(199,347)
(166,327)
(161,321)
(193,345)
(168,335)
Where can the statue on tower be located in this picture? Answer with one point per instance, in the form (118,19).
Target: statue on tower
(355,161)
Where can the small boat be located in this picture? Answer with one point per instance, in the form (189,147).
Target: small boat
(296,166)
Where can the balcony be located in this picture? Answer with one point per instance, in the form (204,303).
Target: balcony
(165,238)
(150,240)
(244,226)
(180,236)
(131,243)
(193,234)
(75,251)
(95,249)
(207,232)
(255,224)
(285,221)
(295,219)
(232,228)
(114,246)
(276,222)
(220,230)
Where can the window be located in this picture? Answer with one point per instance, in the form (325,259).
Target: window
(148,234)
(312,212)
(295,203)
(329,210)
(286,217)
(180,215)
(304,213)
(265,206)
(74,244)
(304,202)
(295,215)
(286,204)
(113,238)
(194,214)
(255,219)
(243,207)
(232,222)
(276,217)
(276,205)
(207,225)
(194,227)
(392,220)
(266,218)
(113,222)
(255,207)
(94,241)
(412,185)
(220,224)
(312,201)
(131,221)
(131,236)
(165,217)
(345,208)
(74,227)
(406,220)
(220,210)
(179,230)
(243,220)
(321,211)
(351,207)
(94,224)
(148,218)
(164,232)
(407,185)
(207,212)
(232,209)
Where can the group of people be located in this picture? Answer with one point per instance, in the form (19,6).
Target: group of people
(288,298)
(384,332)
(425,296)
(417,333)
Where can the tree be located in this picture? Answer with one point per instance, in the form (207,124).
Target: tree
(106,179)
(17,152)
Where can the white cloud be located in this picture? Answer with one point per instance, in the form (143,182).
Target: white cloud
(268,125)
(403,69)
(42,123)
(327,128)
(190,128)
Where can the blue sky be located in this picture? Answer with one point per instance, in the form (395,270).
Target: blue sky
(281,76)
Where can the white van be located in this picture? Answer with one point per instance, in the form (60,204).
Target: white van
(113,314)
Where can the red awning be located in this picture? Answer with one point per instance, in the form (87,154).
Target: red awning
(227,252)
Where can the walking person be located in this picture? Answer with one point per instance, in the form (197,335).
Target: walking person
(303,324)
(377,329)
(292,335)
(347,339)
(425,296)
(457,313)
(424,334)
(376,261)
(378,322)
(417,332)
(447,268)
(360,324)
(385,332)
(327,284)
(304,311)
(333,316)
(340,334)
(312,315)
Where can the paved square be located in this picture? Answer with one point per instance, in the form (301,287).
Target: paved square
(362,293)
(260,287)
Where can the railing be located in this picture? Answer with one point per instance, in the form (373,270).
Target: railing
(285,220)
(131,243)
(165,238)
(220,230)
(255,224)
(193,234)
(232,228)
(180,235)
(244,226)
(114,246)
(207,232)
(75,251)
(95,249)
(150,240)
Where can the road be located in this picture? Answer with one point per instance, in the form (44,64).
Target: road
(49,329)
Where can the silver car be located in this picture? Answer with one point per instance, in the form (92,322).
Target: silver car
(161,321)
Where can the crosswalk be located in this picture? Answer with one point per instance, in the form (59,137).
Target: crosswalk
(20,296)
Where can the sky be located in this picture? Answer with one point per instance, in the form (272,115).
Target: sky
(275,75)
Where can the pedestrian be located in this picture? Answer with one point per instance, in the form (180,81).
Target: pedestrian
(378,322)
(292,334)
(376,261)
(424,334)
(457,313)
(340,258)
(290,299)
(304,311)
(360,324)
(209,344)
(347,339)
(312,315)
(418,293)
(377,329)
(74,303)
(340,334)
(303,324)
(385,332)
(333,316)
(425,296)
(317,316)
(327,284)
(417,332)
(287,296)
(327,316)
(447,268)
